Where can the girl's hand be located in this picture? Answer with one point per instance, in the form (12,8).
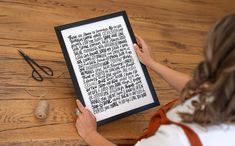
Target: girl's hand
(143,51)
(86,122)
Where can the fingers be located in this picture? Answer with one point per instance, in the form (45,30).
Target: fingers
(137,48)
(138,51)
(80,106)
(84,110)
(86,114)
(141,41)
(138,40)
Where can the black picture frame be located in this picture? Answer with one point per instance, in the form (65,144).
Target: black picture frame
(78,92)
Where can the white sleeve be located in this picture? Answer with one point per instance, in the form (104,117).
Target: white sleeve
(167,135)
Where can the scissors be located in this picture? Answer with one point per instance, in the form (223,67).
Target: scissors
(35,74)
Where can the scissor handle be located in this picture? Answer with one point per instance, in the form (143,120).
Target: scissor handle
(37,76)
(47,70)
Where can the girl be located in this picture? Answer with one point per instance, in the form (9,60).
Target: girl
(206,112)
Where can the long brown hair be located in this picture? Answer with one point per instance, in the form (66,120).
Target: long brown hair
(214,78)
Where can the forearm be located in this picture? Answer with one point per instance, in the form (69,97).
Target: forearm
(174,78)
(95,139)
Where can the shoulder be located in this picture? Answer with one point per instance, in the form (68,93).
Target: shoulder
(167,135)
(171,135)
(221,134)
(187,106)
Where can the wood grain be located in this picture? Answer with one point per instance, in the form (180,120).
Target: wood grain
(175,30)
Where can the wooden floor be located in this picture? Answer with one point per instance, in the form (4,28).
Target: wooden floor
(175,29)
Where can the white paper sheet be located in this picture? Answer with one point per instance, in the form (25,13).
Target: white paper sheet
(92,57)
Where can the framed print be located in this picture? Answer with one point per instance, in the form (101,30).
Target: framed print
(108,77)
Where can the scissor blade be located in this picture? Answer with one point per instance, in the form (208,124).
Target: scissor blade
(22,53)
